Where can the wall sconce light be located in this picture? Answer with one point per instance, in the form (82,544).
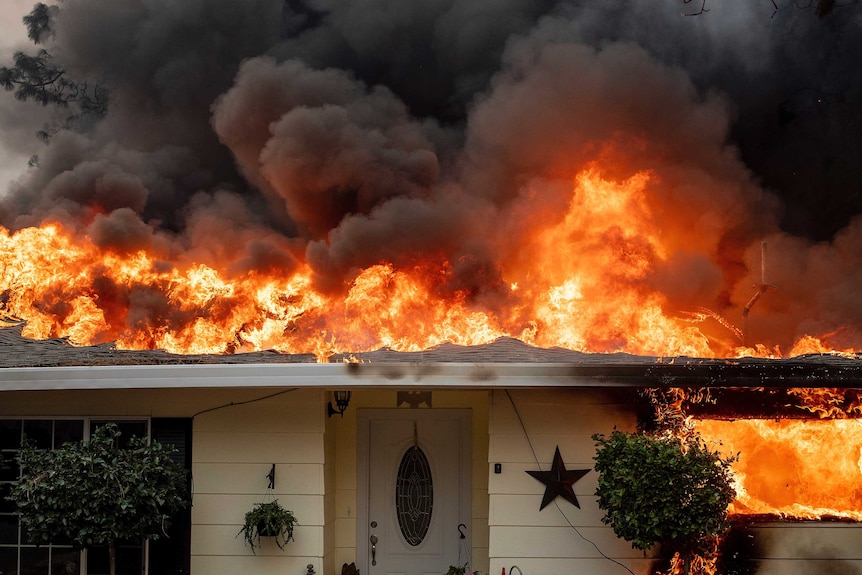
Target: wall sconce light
(342,399)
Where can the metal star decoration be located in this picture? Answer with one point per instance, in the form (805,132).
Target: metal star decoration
(559,481)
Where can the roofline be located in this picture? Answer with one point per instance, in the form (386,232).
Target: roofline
(301,375)
(431,375)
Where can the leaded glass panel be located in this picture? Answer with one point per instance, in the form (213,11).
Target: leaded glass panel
(414,496)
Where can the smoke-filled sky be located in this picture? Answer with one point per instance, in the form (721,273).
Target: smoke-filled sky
(349,132)
(13,36)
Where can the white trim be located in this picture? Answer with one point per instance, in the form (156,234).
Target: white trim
(305,375)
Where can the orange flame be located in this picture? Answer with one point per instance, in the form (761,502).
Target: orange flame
(699,565)
(799,469)
(577,280)
(828,402)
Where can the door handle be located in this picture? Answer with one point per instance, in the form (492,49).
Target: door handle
(374,541)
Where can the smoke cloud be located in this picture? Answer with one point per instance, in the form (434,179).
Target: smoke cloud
(267,134)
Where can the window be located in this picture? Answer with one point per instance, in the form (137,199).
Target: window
(130,554)
(20,557)
(414,495)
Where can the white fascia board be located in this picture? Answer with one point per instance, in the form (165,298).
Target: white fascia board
(302,375)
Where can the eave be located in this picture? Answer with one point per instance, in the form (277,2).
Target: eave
(440,375)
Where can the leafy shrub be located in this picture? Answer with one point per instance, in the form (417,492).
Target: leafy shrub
(97,492)
(663,489)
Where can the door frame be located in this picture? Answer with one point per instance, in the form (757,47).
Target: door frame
(464,416)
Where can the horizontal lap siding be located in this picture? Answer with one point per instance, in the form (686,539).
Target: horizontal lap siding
(224,510)
(117,402)
(249,564)
(166,402)
(307,542)
(523,510)
(545,541)
(237,435)
(234,450)
(294,478)
(258,447)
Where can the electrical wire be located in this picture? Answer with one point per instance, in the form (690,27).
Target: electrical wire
(234,403)
(557,505)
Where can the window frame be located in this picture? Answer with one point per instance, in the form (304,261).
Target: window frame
(88,426)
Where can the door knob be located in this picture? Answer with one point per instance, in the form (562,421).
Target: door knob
(374,541)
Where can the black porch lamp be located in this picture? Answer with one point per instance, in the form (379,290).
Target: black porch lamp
(342,399)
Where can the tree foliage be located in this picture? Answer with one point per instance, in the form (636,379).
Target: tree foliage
(662,489)
(822,8)
(98,492)
(39,22)
(38,77)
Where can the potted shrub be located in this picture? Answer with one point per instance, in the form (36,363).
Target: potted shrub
(268,520)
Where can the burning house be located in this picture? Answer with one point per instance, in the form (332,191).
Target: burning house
(483,416)
(297,238)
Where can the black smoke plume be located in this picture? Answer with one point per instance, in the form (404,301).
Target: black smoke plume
(265,133)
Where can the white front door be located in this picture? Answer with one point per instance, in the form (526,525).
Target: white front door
(413,490)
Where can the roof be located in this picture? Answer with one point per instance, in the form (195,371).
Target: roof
(27,364)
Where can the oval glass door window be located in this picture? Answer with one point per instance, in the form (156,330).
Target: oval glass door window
(414,495)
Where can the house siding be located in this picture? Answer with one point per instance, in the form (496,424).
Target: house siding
(234,447)
(561,539)
(330,536)
(236,443)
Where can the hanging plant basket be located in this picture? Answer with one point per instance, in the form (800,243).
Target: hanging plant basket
(263,530)
(268,520)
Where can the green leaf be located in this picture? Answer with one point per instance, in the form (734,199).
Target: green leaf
(91,492)
(661,489)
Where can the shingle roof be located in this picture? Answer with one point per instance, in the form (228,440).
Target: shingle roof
(817,370)
(19,351)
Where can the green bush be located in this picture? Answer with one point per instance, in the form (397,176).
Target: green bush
(97,492)
(662,489)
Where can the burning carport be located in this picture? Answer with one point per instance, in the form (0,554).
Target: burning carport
(490,413)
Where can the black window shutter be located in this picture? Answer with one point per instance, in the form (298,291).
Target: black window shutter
(172,555)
